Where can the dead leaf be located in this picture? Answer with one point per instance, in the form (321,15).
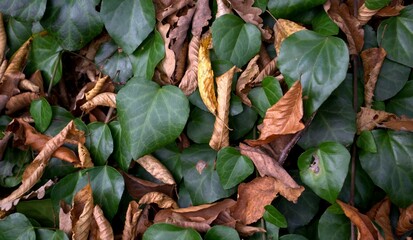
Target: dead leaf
(391,10)
(143,222)
(201,17)
(106,99)
(3,67)
(365,14)
(3,39)
(164,8)
(282,29)
(264,58)
(156,169)
(222,8)
(27,85)
(37,79)
(372,61)
(81,213)
(269,70)
(20,101)
(179,32)
(368,119)
(9,87)
(282,118)
(248,230)
(18,60)
(380,213)
(161,199)
(399,124)
(365,227)
(244,81)
(65,224)
(137,187)
(189,81)
(206,75)
(4,141)
(104,229)
(97,88)
(40,192)
(131,221)
(181,62)
(220,134)
(168,63)
(85,161)
(405,222)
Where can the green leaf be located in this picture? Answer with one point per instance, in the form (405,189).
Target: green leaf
(366,142)
(319,62)
(41,112)
(46,234)
(388,167)
(73,23)
(234,40)
(16,227)
(395,35)
(128,22)
(165,231)
(332,123)
(293,237)
(402,103)
(24,10)
(120,151)
(232,167)
(39,210)
(376,4)
(370,37)
(147,56)
(169,156)
(286,9)
(393,76)
(12,166)
(150,116)
(242,123)
(333,226)
(264,97)
(57,168)
(220,232)
(99,142)
(274,216)
(61,117)
(202,182)
(235,106)
(46,55)
(323,24)
(118,67)
(17,33)
(324,169)
(200,126)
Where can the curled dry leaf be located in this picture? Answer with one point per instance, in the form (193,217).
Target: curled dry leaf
(368,119)
(105,231)
(248,230)
(282,118)
(164,8)
(220,134)
(380,213)
(372,61)
(201,17)
(189,81)
(179,32)
(161,199)
(65,223)
(3,67)
(282,29)
(9,87)
(365,14)
(391,10)
(97,88)
(106,99)
(20,101)
(156,169)
(19,58)
(37,79)
(3,39)
(40,192)
(168,63)
(222,8)
(85,161)
(269,70)
(81,213)
(181,62)
(405,222)
(131,221)
(399,124)
(27,85)
(137,187)
(366,228)
(206,75)
(244,81)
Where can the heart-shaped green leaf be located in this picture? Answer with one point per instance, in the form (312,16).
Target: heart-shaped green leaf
(285,9)
(150,116)
(118,67)
(128,22)
(24,10)
(74,22)
(242,123)
(264,97)
(200,126)
(163,231)
(16,226)
(388,167)
(99,142)
(274,216)
(234,40)
(324,169)
(47,234)
(323,24)
(396,36)
(39,210)
(41,112)
(333,225)
(17,33)
(393,76)
(402,103)
(120,151)
(319,62)
(221,232)
(232,167)
(12,166)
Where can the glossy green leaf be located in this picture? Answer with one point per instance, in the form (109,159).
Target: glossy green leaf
(57,168)
(12,166)
(99,142)
(274,216)
(147,56)
(387,168)
(235,107)
(16,226)
(200,126)
(24,10)
(17,33)
(395,35)
(233,167)
(264,97)
(220,232)
(393,76)
(319,62)
(128,22)
(165,231)
(332,123)
(376,4)
(286,9)
(150,116)
(61,117)
(323,24)
(46,55)
(293,237)
(118,67)
(46,234)
(73,23)
(370,37)
(195,99)
(39,210)
(234,40)
(324,169)
(366,142)
(242,123)
(120,151)
(334,226)
(169,156)
(200,177)
(41,112)
(402,103)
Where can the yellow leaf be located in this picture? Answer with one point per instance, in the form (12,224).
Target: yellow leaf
(282,29)
(106,99)
(97,88)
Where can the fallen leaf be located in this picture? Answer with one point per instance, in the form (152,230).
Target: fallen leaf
(269,70)
(189,81)
(380,213)
(399,124)
(9,87)
(65,224)
(27,85)
(106,99)
(282,118)
(156,169)
(131,221)
(248,230)
(368,119)
(206,75)
(282,29)
(222,8)
(137,187)
(220,134)
(372,61)
(179,32)
(85,161)
(168,63)
(201,17)
(37,79)
(3,67)
(20,101)
(97,88)
(40,192)
(244,81)
(143,222)
(81,213)
(392,10)
(3,39)
(181,62)
(405,222)
(164,8)
(161,199)
(4,141)
(104,229)
(365,14)
(18,60)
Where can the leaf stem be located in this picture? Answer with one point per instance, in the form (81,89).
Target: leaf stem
(109,115)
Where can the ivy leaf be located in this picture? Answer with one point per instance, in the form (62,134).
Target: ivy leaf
(160,231)
(286,9)
(300,57)
(120,151)
(16,226)
(376,4)
(393,76)
(387,167)
(274,216)
(323,24)
(46,234)
(324,169)
(99,142)
(17,33)
(200,126)
(402,103)
(150,116)
(118,67)
(220,232)
(128,22)
(74,23)
(24,10)
(39,210)
(234,40)
(333,222)
(41,112)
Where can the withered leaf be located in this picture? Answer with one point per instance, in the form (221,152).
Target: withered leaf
(20,101)
(372,61)
(178,33)
(282,118)
(365,14)
(81,213)
(189,81)
(85,161)
(19,58)
(282,29)
(168,63)
(27,85)
(248,230)
(201,17)
(391,10)
(138,187)
(405,222)
(106,99)
(380,213)
(40,192)
(244,81)
(97,88)
(3,39)
(164,8)
(37,79)
(3,67)
(161,199)
(268,70)
(105,231)
(399,124)
(368,119)
(131,221)
(222,8)
(4,141)
(65,224)
(156,169)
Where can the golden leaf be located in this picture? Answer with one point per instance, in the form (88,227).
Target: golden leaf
(104,229)
(131,221)
(81,213)
(161,199)
(156,169)
(106,99)
(372,61)
(97,88)
(84,157)
(244,81)
(282,29)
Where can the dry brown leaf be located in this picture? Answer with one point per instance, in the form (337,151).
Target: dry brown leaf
(368,119)
(269,70)
(248,230)
(65,223)
(161,199)
(380,213)
(282,118)
(97,88)
(105,231)
(245,79)
(179,32)
(164,8)
(206,75)
(85,161)
(3,39)
(3,67)
(18,60)
(391,10)
(282,29)
(220,134)
(4,141)
(143,222)
(189,81)
(181,62)
(9,87)
(40,192)
(366,228)
(106,99)
(405,222)
(222,8)
(156,169)
(131,221)
(168,63)
(399,124)
(365,14)
(27,85)
(81,213)
(37,79)
(138,187)
(372,61)
(201,17)
(20,101)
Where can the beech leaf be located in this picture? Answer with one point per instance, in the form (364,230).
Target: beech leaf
(206,75)
(131,221)
(244,81)
(282,29)
(105,231)
(372,61)
(189,81)
(161,199)
(156,169)
(82,212)
(380,213)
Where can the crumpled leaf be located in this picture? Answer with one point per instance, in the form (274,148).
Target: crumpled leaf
(282,29)
(161,199)
(131,221)
(248,230)
(65,224)
(137,187)
(222,8)
(372,61)
(82,212)
(97,88)
(104,229)
(20,101)
(201,17)
(18,60)
(85,161)
(268,70)
(282,118)
(391,10)
(10,83)
(405,222)
(365,14)
(156,169)
(380,213)
(106,99)
(165,8)
(40,192)
(3,39)
(179,32)
(220,135)
(189,82)
(368,119)
(245,79)
(399,124)
(168,63)
(27,85)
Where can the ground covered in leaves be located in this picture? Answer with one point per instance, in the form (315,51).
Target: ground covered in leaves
(203,119)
